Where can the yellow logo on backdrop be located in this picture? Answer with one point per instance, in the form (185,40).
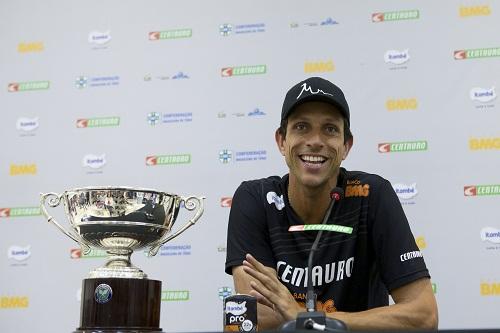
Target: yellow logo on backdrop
(319,67)
(10,302)
(22,169)
(421,242)
(484,143)
(474,11)
(30,47)
(490,289)
(401,104)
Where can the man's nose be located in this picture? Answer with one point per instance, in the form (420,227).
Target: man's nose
(315,139)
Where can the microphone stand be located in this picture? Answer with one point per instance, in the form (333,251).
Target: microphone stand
(313,319)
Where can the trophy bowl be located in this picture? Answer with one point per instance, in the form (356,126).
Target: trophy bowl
(120,220)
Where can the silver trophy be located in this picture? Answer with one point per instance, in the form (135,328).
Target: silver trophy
(120,220)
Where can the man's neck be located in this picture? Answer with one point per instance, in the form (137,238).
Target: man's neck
(310,204)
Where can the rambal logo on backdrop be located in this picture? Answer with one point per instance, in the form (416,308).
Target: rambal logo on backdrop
(484,143)
(26,47)
(468,11)
(406,193)
(154,160)
(227,29)
(489,289)
(99,38)
(27,86)
(19,211)
(401,15)
(243,70)
(14,302)
(397,147)
(98,122)
(22,169)
(476,53)
(94,161)
(170,34)
(323,23)
(226,156)
(481,190)
(174,295)
(401,104)
(482,95)
(491,235)
(397,57)
(82,81)
(319,66)
(19,253)
(27,124)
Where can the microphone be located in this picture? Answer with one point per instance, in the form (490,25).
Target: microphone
(312,319)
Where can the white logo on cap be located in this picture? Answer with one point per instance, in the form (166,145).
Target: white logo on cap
(309,89)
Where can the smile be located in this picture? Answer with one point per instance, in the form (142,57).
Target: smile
(313,159)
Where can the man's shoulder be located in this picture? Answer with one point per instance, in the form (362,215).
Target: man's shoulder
(264,184)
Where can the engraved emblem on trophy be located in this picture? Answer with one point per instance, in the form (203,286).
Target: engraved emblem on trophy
(120,220)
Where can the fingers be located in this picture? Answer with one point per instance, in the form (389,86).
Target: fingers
(261,299)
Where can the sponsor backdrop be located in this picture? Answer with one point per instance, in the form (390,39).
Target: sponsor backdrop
(184,97)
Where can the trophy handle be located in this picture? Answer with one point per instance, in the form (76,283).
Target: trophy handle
(190,203)
(53,200)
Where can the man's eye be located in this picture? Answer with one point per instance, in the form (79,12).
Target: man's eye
(300,127)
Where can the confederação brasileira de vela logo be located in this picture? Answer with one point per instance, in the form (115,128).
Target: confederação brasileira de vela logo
(19,211)
(171,34)
(243,70)
(400,15)
(397,147)
(481,190)
(98,122)
(27,86)
(476,53)
(168,159)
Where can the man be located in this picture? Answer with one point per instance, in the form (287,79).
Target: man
(354,270)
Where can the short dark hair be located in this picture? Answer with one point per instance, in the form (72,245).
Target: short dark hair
(347,130)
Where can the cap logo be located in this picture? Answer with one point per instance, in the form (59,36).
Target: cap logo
(309,89)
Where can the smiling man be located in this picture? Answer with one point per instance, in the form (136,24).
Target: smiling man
(371,254)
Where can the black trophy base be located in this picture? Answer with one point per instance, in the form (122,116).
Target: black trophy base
(120,305)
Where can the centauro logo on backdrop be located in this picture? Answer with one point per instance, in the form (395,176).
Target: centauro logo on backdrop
(484,143)
(396,16)
(397,147)
(319,67)
(171,34)
(94,253)
(22,169)
(474,11)
(481,190)
(98,122)
(168,159)
(27,86)
(401,104)
(174,295)
(243,70)
(490,289)
(30,47)
(477,53)
(19,211)
(14,302)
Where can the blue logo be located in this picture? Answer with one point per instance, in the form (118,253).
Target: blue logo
(81,82)
(98,81)
(103,293)
(256,112)
(153,118)
(226,29)
(180,75)
(225,292)
(225,156)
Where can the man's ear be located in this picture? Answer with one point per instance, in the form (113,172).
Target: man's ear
(347,147)
(279,141)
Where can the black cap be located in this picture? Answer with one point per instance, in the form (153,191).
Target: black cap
(315,89)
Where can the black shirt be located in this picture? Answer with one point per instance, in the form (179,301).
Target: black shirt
(354,269)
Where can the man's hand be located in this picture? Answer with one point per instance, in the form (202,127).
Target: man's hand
(269,290)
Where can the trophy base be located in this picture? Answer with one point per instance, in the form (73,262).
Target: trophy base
(120,305)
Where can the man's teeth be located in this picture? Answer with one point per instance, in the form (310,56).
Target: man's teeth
(313,159)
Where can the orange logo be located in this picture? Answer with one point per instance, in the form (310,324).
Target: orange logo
(357,190)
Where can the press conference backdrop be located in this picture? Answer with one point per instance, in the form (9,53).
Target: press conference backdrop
(185,97)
